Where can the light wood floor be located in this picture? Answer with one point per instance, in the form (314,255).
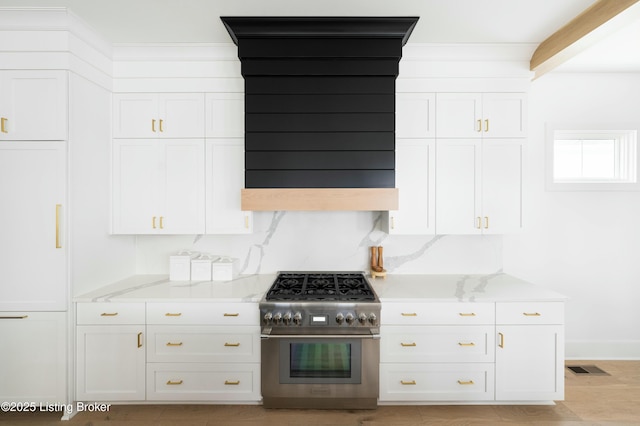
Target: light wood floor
(589,400)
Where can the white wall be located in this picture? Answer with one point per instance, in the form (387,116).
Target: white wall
(583,244)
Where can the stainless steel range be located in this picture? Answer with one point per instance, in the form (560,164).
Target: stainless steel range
(320,341)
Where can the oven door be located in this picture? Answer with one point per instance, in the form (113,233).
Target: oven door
(316,371)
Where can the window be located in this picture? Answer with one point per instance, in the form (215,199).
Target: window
(592,159)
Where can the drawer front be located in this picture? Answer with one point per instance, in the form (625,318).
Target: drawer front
(203,313)
(436,382)
(110,313)
(203,382)
(462,313)
(437,344)
(176,343)
(530,313)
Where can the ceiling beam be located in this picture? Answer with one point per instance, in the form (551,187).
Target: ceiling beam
(584,30)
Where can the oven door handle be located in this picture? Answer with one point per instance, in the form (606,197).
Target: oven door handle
(375,336)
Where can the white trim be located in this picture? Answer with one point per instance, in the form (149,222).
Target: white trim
(602,349)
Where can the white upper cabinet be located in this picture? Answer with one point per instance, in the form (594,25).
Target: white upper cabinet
(33,105)
(481,115)
(158,186)
(33,227)
(415,115)
(225,115)
(164,115)
(225,179)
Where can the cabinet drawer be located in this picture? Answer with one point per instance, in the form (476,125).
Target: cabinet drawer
(203,313)
(436,382)
(203,382)
(437,344)
(110,313)
(462,313)
(530,313)
(203,344)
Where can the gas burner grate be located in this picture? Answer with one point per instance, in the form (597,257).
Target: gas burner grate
(320,286)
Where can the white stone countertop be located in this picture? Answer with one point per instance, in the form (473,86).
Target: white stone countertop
(394,288)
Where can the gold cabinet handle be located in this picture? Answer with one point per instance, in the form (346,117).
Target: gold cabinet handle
(161,129)
(406,345)
(408,382)
(467,314)
(486,125)
(246,222)
(153,126)
(478,222)
(58,207)
(173,314)
(161,224)
(486,222)
(15,317)
(409,314)
(226,314)
(174,344)
(153,222)
(108,314)
(3,125)
(479,125)
(532,314)
(501,344)
(466,344)
(174,382)
(465,382)
(140,339)
(231,344)
(232,382)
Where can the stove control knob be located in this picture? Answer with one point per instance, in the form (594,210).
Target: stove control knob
(277,318)
(287,318)
(267,317)
(373,319)
(350,318)
(362,318)
(297,318)
(339,318)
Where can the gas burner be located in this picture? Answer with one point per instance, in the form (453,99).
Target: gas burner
(321,286)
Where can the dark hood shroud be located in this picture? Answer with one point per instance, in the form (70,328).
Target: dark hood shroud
(319,110)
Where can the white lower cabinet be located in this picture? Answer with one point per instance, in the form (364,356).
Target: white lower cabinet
(33,357)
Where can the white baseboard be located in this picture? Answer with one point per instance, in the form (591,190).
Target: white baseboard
(613,349)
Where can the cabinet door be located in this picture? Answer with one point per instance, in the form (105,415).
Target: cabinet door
(110,363)
(136,186)
(459,115)
(33,105)
(529,362)
(501,185)
(225,179)
(181,187)
(457,186)
(504,115)
(225,115)
(415,115)
(181,115)
(415,179)
(135,115)
(33,227)
(33,359)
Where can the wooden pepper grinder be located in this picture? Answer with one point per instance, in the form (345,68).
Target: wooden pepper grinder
(374,258)
(377,269)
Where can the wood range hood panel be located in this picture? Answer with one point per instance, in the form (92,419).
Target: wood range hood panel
(319,110)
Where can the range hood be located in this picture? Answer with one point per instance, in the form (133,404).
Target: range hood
(319,110)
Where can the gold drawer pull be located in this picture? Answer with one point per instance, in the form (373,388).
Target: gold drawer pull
(501,336)
(467,314)
(108,314)
(232,344)
(174,344)
(409,314)
(174,382)
(407,344)
(232,382)
(531,314)
(15,317)
(140,339)
(173,314)
(466,344)
(406,382)
(231,315)
(468,382)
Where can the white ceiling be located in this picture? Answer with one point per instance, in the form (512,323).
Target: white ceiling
(441,21)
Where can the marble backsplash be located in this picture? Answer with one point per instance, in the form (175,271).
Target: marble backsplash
(328,241)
